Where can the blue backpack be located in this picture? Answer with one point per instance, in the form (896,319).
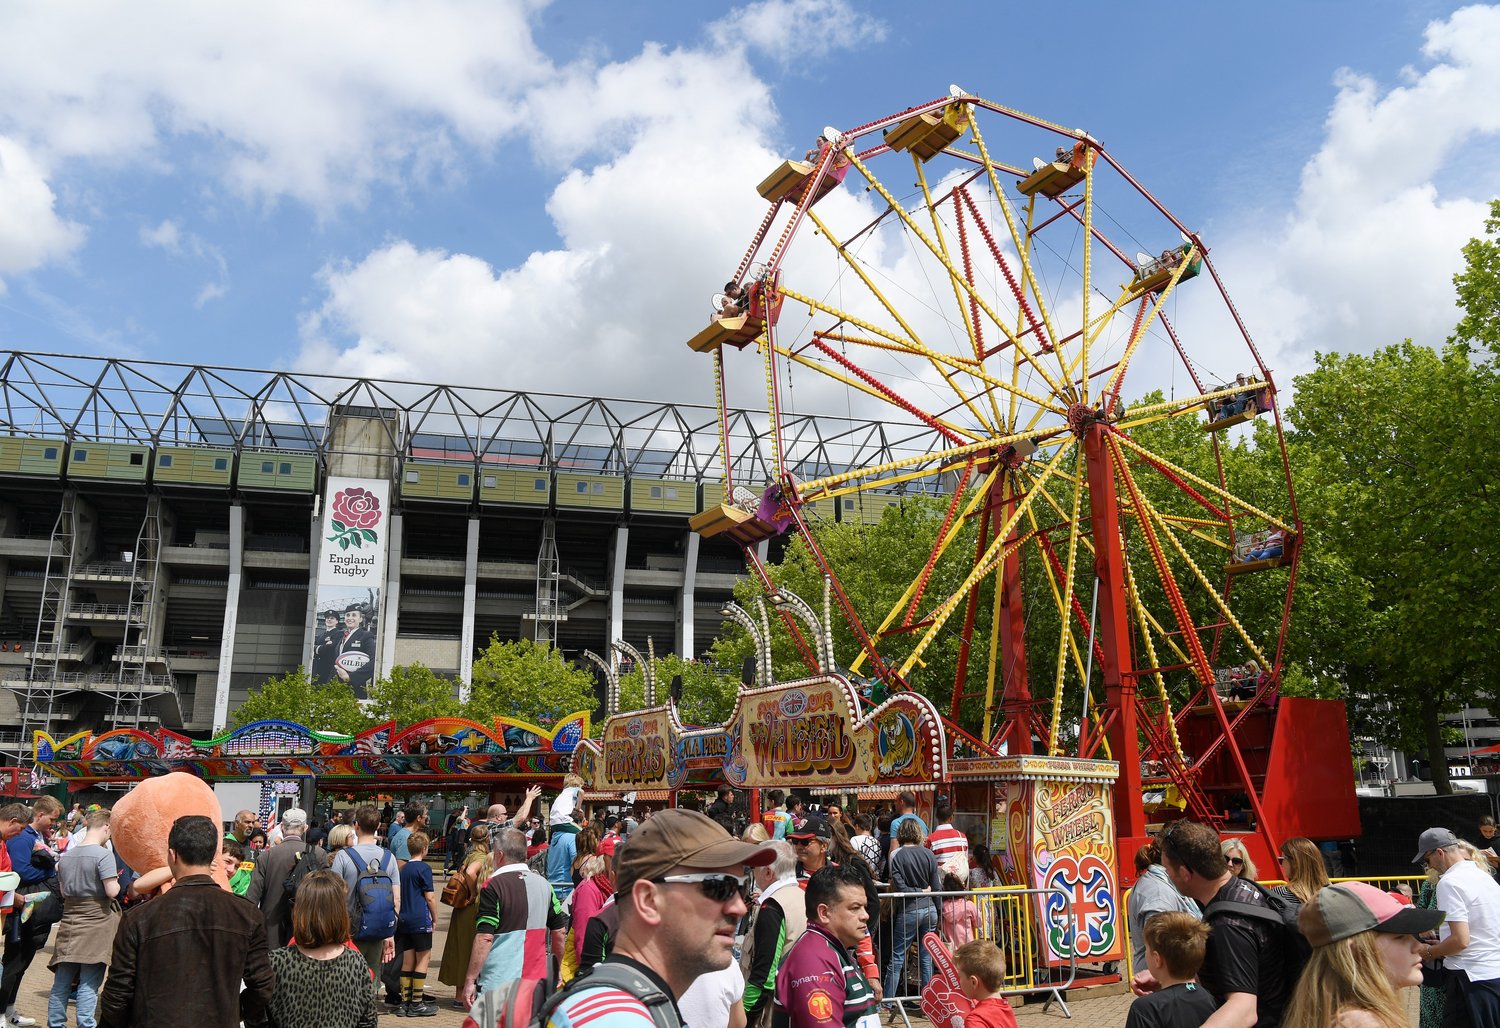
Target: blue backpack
(374,899)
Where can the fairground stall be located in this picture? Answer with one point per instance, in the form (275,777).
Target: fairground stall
(442,754)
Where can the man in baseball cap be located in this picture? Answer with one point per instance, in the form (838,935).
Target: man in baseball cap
(681,884)
(1470,935)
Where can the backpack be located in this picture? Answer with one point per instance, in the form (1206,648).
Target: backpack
(460,891)
(1281,912)
(312,858)
(527,1004)
(374,899)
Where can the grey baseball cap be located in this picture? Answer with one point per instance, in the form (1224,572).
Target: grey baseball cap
(1433,839)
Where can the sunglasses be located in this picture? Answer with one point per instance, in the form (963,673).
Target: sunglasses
(1234,862)
(716,886)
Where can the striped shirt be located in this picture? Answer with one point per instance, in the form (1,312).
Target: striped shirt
(609,1006)
(517,907)
(948,844)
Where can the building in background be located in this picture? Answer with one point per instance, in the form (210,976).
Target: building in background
(163,529)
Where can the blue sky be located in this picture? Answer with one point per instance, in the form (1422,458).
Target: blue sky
(541,196)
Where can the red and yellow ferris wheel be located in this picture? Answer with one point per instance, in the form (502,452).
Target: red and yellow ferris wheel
(1114,571)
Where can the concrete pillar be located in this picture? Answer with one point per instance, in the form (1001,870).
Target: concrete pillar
(685,641)
(471,603)
(231,616)
(310,620)
(390,596)
(617,585)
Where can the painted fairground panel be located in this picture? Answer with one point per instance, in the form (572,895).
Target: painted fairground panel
(782,735)
(441,747)
(1070,846)
(640,750)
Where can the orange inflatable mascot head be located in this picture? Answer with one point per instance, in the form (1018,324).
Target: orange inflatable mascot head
(142,819)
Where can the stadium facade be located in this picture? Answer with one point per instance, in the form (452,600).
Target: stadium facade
(162,527)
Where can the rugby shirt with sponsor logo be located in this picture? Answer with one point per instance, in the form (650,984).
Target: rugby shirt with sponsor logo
(820,986)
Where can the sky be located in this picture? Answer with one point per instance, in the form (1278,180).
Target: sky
(544,196)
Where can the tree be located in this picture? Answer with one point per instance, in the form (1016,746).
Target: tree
(412,693)
(1478,288)
(521,679)
(1397,453)
(326,707)
(707,695)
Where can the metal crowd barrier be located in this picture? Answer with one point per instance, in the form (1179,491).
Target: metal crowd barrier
(1007,916)
(1387,883)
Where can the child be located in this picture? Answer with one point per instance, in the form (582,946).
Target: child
(981,969)
(960,917)
(236,869)
(1174,951)
(414,928)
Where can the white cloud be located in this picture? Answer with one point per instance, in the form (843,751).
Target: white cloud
(648,233)
(795,30)
(170,237)
(31,232)
(1367,253)
(317,102)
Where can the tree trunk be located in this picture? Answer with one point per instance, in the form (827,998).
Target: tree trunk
(1432,725)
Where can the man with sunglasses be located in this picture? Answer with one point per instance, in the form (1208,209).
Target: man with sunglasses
(681,890)
(1245,966)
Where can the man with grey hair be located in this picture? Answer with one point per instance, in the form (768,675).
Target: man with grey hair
(777,921)
(1469,943)
(268,881)
(519,922)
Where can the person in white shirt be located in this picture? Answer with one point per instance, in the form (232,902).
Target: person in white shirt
(1470,937)
(715,998)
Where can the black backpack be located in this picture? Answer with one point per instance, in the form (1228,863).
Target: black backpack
(1281,912)
(312,858)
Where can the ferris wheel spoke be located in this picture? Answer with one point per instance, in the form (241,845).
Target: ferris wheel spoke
(871,386)
(1233,502)
(813,488)
(994,554)
(1152,517)
(937,253)
(1074,527)
(1138,609)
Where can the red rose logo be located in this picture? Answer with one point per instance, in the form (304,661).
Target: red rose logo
(356,512)
(357,508)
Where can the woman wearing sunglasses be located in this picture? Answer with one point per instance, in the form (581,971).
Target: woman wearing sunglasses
(1302,869)
(1238,859)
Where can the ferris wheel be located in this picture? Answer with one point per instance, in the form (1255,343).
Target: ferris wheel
(1116,532)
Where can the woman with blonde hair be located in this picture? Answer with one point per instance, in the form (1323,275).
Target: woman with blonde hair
(1302,868)
(1365,950)
(477,865)
(1238,859)
(342,837)
(755,832)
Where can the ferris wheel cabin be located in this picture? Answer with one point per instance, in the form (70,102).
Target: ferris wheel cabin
(1154,273)
(927,135)
(789,180)
(1054,178)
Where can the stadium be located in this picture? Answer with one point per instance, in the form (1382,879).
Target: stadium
(162,527)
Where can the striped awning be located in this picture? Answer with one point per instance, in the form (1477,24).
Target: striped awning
(640,796)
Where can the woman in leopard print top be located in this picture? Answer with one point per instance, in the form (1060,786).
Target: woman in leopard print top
(321,981)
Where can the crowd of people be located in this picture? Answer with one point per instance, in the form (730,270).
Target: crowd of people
(679,917)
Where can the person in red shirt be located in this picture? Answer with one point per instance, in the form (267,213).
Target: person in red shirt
(981,969)
(14,818)
(948,844)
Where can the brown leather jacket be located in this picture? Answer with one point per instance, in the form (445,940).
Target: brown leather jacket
(178,961)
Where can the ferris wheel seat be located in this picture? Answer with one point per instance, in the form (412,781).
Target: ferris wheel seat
(1154,277)
(738,331)
(735,524)
(927,135)
(1051,180)
(1265,564)
(788,180)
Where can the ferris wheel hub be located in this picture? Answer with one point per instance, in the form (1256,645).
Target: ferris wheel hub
(1081,417)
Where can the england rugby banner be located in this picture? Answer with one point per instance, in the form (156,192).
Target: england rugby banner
(351,570)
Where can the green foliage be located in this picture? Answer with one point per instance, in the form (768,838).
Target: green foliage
(412,693)
(520,679)
(707,696)
(1478,288)
(1397,455)
(328,707)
